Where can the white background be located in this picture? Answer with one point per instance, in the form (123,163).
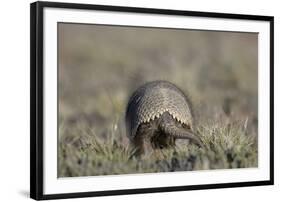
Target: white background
(14,101)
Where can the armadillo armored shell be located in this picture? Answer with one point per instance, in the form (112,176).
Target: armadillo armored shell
(151,100)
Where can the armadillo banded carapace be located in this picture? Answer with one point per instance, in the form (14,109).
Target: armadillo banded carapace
(162,107)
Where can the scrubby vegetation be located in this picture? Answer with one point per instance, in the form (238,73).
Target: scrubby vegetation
(85,154)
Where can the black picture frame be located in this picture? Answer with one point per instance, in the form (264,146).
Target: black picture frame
(37,98)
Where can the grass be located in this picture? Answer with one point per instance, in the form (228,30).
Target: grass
(228,146)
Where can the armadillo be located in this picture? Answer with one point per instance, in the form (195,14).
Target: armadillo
(157,114)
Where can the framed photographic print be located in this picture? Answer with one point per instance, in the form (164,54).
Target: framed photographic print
(137,100)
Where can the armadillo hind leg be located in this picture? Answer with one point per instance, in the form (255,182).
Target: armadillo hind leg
(168,126)
(142,143)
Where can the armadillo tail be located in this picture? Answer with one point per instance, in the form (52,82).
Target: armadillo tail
(169,127)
